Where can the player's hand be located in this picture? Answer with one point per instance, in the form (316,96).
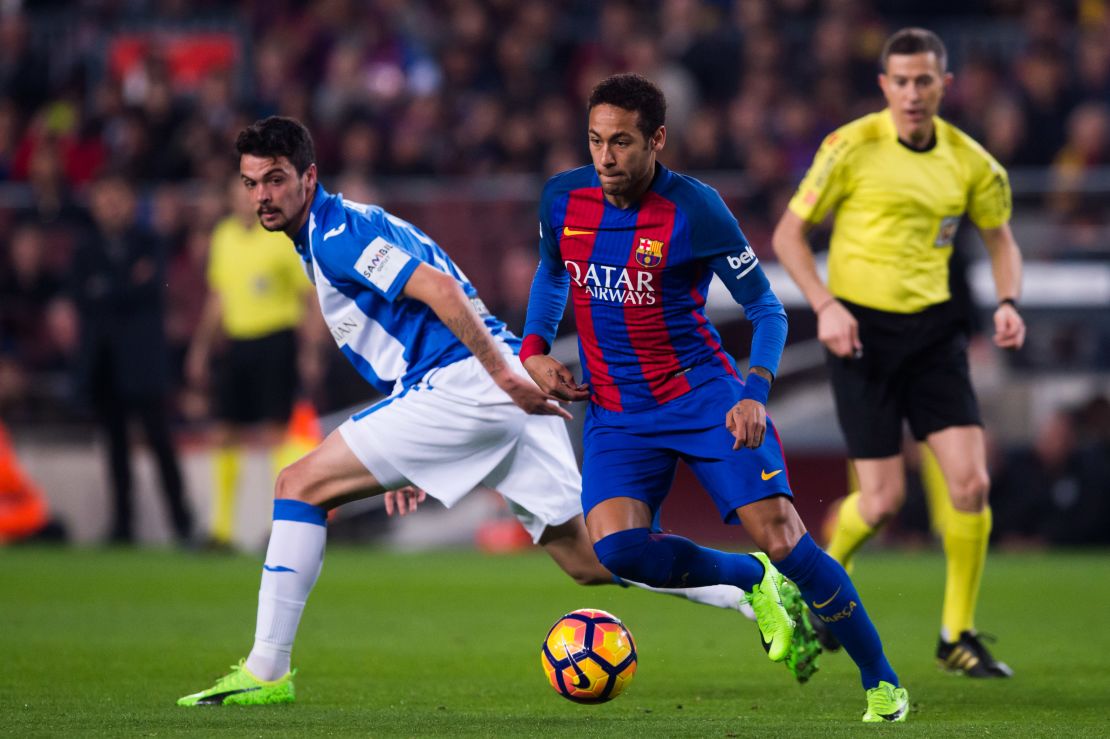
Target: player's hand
(1009,328)
(747,421)
(838,330)
(555,379)
(403,500)
(534,400)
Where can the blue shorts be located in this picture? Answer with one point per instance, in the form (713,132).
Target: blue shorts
(634,454)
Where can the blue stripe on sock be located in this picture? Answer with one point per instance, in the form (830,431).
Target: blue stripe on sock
(286,509)
(822,581)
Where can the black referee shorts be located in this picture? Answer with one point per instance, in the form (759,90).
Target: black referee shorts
(257,379)
(914,367)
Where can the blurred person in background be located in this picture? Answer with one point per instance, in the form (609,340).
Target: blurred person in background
(34,360)
(1046,100)
(1055,489)
(116,284)
(1086,148)
(899,181)
(257,296)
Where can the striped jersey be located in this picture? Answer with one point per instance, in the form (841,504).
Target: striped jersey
(360,257)
(639,278)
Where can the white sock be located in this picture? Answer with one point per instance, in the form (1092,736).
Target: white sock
(718,596)
(293,561)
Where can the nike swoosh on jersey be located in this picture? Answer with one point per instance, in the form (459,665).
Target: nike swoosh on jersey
(568,231)
(830,600)
(768,475)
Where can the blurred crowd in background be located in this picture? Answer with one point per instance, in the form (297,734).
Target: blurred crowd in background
(450,112)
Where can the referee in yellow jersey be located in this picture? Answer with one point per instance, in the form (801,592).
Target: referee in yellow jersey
(258,293)
(898,182)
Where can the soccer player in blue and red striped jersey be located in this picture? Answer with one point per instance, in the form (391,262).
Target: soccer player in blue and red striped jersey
(636,246)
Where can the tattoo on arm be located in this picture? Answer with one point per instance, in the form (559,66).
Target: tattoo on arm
(468,327)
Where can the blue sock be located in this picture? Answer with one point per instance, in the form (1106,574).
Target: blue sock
(666,561)
(823,582)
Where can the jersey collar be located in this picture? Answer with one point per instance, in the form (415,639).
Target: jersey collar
(661,180)
(888,119)
(303,241)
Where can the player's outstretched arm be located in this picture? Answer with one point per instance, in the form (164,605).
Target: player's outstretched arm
(837,329)
(442,293)
(1009,328)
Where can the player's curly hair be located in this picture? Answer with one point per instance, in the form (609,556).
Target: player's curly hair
(914,41)
(278,136)
(632,92)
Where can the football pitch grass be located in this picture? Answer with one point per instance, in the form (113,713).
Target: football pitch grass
(102,642)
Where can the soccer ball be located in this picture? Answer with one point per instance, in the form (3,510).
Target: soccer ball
(589,656)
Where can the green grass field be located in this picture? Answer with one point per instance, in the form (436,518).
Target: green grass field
(103,642)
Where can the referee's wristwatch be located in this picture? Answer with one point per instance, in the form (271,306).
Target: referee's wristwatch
(1008,301)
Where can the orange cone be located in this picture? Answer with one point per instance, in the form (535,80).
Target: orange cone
(22,506)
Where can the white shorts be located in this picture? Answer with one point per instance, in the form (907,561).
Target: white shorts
(456,430)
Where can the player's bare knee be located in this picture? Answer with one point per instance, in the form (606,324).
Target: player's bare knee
(779,549)
(970,492)
(882,501)
(293,484)
(777,532)
(778,542)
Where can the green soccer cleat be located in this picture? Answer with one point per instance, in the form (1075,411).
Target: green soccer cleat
(886,703)
(805,648)
(240,688)
(776,628)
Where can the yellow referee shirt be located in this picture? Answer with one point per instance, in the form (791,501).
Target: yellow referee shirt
(259,279)
(897,209)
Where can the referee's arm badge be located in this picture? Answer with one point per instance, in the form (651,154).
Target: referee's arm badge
(947,231)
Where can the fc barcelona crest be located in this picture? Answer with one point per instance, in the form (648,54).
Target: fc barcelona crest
(649,253)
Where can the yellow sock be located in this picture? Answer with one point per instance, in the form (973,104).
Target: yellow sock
(965,549)
(936,490)
(227,461)
(850,531)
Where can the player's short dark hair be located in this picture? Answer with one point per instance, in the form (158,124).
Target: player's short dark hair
(914,41)
(278,136)
(632,92)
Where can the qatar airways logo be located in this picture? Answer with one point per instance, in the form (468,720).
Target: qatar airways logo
(614,284)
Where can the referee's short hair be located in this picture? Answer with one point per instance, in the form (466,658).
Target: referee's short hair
(278,136)
(914,41)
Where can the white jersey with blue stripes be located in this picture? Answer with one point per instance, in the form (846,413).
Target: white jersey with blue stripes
(360,257)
